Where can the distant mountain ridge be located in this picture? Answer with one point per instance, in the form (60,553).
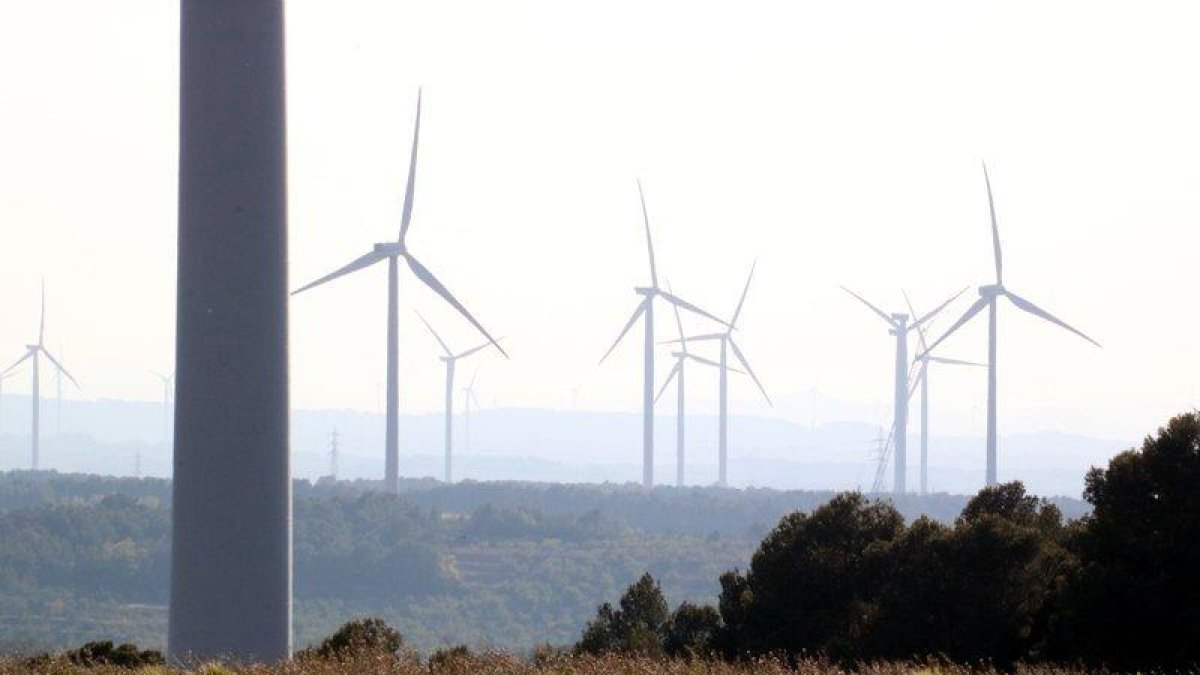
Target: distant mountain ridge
(105,436)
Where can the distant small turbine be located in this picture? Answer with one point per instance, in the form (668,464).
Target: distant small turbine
(333,454)
(393,252)
(469,399)
(168,383)
(921,380)
(988,295)
(900,327)
(646,306)
(451,360)
(34,352)
(727,343)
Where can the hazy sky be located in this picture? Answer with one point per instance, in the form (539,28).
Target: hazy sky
(836,143)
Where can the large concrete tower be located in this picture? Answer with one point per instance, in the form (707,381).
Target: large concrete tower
(231,580)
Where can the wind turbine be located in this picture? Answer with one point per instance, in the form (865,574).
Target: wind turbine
(167,381)
(33,353)
(646,306)
(988,295)
(392,252)
(922,362)
(681,359)
(469,399)
(727,344)
(899,327)
(451,360)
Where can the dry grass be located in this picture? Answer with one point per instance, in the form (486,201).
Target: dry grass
(504,664)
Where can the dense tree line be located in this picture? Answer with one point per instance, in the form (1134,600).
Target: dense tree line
(1007,581)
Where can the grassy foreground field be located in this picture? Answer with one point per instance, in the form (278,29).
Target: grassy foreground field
(503,664)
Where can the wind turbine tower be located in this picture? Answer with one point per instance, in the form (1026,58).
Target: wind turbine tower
(988,297)
(393,252)
(451,360)
(33,354)
(469,400)
(898,326)
(646,307)
(231,530)
(922,362)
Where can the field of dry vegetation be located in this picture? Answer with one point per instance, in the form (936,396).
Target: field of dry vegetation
(503,664)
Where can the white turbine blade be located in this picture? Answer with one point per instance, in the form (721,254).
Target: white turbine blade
(474,350)
(649,241)
(710,362)
(749,371)
(883,315)
(971,311)
(671,376)
(920,328)
(742,300)
(956,362)
(995,229)
(433,332)
(474,376)
(695,338)
(59,366)
(912,389)
(1038,311)
(637,313)
(939,308)
(678,322)
(410,188)
(431,281)
(18,362)
(674,299)
(359,263)
(474,398)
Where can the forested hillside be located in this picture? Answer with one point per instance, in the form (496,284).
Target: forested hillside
(499,564)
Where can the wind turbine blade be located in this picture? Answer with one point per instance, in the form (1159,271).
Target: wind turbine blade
(749,371)
(359,263)
(671,376)
(956,362)
(912,389)
(1038,311)
(628,324)
(433,332)
(919,327)
(59,366)
(709,362)
(42,324)
(695,338)
(474,398)
(883,315)
(971,311)
(674,299)
(678,322)
(18,362)
(431,281)
(939,308)
(995,229)
(410,188)
(476,349)
(474,376)
(742,300)
(649,241)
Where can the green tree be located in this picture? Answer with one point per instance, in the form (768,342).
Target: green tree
(638,627)
(361,638)
(1136,600)
(803,591)
(691,630)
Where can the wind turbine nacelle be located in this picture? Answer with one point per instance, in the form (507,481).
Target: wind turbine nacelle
(900,318)
(644,290)
(390,248)
(991,290)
